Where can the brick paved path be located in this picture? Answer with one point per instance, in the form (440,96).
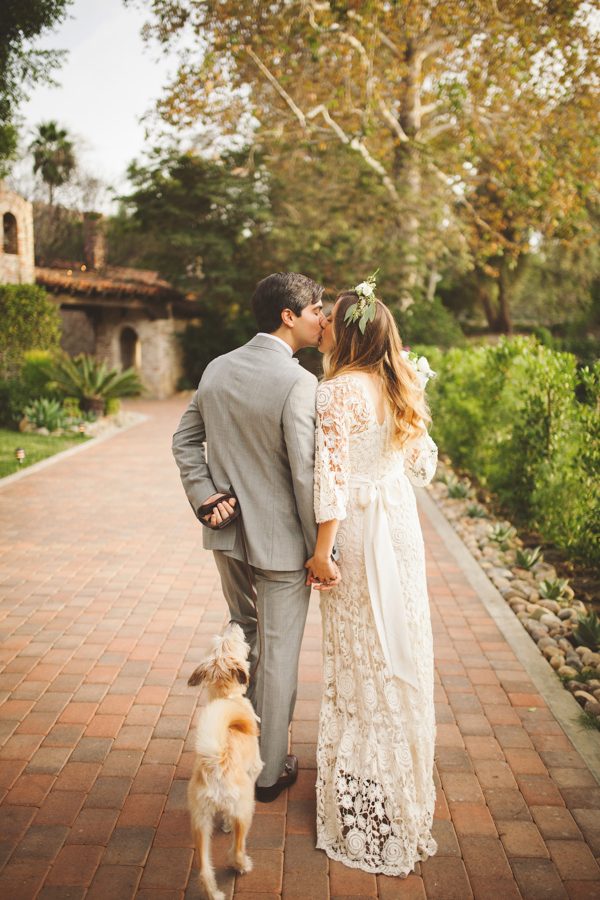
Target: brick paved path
(107,603)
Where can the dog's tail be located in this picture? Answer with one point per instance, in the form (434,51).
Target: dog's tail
(219,722)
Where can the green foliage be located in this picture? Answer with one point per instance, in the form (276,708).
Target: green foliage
(524,420)
(36,446)
(53,156)
(458,490)
(502,535)
(587,632)
(28,321)
(46,413)
(90,381)
(429,322)
(554,588)
(526,559)
(475,511)
(21,65)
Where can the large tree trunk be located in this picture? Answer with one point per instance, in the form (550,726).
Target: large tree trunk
(408,174)
(504,318)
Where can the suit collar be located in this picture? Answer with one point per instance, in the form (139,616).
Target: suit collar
(262,342)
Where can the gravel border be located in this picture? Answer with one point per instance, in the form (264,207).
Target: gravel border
(563,706)
(64,454)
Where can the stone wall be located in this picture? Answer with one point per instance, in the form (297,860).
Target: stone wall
(77,332)
(17,268)
(159,354)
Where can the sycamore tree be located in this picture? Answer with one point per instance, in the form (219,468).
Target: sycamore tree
(425,93)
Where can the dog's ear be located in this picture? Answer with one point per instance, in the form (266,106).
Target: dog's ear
(198,675)
(241,675)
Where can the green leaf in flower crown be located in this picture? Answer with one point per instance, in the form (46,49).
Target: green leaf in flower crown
(350,313)
(363,321)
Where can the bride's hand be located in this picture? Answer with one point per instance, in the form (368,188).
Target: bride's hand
(323,573)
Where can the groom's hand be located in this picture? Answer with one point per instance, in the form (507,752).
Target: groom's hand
(323,573)
(221,512)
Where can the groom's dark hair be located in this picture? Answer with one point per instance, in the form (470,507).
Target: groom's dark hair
(282,290)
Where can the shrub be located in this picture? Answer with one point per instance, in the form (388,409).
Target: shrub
(28,321)
(90,382)
(46,413)
(523,419)
(429,322)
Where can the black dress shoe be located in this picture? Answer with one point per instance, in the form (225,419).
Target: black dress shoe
(290,774)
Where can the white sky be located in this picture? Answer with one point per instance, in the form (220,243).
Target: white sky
(109,80)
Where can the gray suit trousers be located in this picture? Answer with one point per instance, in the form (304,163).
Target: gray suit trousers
(282,602)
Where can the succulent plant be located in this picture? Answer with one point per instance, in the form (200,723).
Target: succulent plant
(475,511)
(502,535)
(587,632)
(458,490)
(554,588)
(526,559)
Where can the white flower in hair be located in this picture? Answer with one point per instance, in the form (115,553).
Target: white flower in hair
(420,365)
(363,311)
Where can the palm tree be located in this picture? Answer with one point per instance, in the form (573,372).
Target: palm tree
(53,155)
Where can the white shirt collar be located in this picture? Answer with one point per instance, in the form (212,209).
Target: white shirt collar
(275,338)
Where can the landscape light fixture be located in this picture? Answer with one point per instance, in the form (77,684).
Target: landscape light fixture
(20,455)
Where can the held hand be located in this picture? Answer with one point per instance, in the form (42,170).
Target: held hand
(221,512)
(323,573)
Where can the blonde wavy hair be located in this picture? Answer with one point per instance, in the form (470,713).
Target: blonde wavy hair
(379,351)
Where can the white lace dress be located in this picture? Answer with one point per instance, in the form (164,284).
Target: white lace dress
(375,790)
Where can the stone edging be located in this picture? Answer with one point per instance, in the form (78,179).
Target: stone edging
(563,706)
(71,451)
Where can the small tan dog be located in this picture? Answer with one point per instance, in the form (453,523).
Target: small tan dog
(227,755)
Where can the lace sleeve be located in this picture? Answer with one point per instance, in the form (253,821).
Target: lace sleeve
(420,460)
(331,453)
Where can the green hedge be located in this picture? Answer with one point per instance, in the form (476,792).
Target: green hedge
(525,421)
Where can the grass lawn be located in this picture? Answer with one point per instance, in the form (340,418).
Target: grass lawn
(36,447)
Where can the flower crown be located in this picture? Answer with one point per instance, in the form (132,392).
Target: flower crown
(363,311)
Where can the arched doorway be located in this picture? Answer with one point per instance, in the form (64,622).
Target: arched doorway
(9,226)
(130,348)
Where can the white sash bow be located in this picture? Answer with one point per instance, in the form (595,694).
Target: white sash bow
(375,498)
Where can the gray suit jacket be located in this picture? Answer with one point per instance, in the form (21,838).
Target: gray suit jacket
(255,408)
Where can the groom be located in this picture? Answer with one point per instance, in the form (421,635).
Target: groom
(255,408)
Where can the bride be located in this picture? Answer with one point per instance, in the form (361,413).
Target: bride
(375,790)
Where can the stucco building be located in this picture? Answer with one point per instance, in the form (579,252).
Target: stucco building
(126,317)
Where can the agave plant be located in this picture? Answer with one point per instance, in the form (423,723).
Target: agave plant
(91,382)
(553,588)
(502,535)
(475,511)
(526,559)
(587,632)
(458,489)
(46,413)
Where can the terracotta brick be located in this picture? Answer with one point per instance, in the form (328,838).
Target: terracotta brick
(163,750)
(77,713)
(48,760)
(60,807)
(574,858)
(108,792)
(484,857)
(104,726)
(483,747)
(445,879)
(539,790)
(581,798)
(582,890)
(472,818)
(486,888)
(29,790)
(174,829)
(129,846)
(300,816)
(461,787)
(75,864)
(133,737)
(538,879)
(77,776)
(443,832)
(142,809)
(506,804)
(22,878)
(346,881)
(123,762)
(522,839)
(588,822)
(525,762)
(494,773)
(519,699)
(41,842)
(267,832)
(153,779)
(116,882)
(93,826)
(410,888)
(167,869)
(555,822)
(572,778)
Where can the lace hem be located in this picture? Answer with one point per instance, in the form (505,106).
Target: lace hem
(430,849)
